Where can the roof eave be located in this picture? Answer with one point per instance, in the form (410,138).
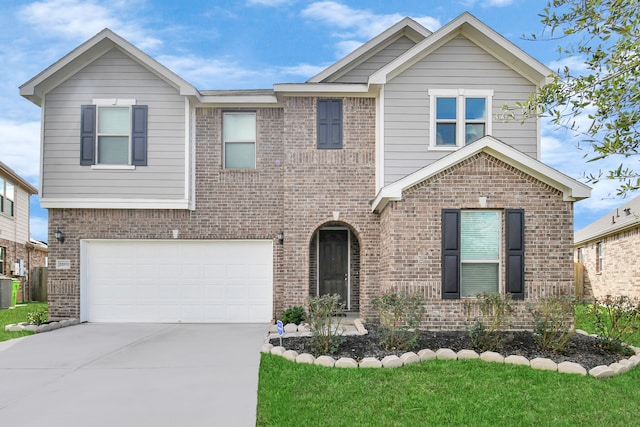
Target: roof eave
(572,190)
(470,26)
(407,27)
(86,53)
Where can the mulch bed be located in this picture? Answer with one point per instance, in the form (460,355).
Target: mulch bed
(585,350)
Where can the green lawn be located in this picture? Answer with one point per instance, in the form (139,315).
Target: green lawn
(442,393)
(17,315)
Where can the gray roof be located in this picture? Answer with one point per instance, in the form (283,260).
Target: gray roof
(623,217)
(7,171)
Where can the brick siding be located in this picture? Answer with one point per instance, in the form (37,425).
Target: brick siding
(411,235)
(620,273)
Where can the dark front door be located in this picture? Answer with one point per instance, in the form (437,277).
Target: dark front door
(333,260)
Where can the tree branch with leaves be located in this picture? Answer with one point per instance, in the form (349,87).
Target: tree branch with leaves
(604,33)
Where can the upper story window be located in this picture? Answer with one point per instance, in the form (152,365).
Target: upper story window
(329,123)
(458,117)
(113,132)
(239,140)
(7,198)
(599,256)
(581,255)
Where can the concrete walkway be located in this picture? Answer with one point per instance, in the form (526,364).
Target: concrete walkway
(132,375)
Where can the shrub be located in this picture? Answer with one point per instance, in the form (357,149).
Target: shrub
(615,319)
(324,317)
(295,315)
(400,316)
(487,319)
(553,321)
(37,317)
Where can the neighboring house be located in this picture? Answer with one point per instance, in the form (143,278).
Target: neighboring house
(388,170)
(609,250)
(19,254)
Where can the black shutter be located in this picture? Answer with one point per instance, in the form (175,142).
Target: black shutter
(514,245)
(139,135)
(87,135)
(450,253)
(329,123)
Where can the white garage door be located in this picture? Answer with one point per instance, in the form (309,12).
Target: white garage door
(170,281)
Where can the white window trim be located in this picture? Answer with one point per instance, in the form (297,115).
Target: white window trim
(501,239)
(111,102)
(460,94)
(254,141)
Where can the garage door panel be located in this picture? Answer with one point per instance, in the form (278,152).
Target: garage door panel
(177,281)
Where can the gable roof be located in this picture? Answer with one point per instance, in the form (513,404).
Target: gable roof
(6,171)
(89,51)
(478,32)
(572,190)
(407,27)
(623,217)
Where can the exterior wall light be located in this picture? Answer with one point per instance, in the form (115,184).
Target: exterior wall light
(59,235)
(280,237)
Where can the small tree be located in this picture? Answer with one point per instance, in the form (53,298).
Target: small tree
(400,316)
(488,317)
(324,317)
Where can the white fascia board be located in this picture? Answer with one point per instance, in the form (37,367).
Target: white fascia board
(373,45)
(315,89)
(572,190)
(266,100)
(94,203)
(622,226)
(86,53)
(477,31)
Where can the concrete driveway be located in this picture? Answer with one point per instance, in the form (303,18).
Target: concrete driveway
(132,375)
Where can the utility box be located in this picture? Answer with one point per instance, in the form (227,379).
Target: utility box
(15,288)
(6,291)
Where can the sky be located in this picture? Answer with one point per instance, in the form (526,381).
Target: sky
(251,44)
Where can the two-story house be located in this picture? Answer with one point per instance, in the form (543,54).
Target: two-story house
(389,169)
(19,254)
(608,250)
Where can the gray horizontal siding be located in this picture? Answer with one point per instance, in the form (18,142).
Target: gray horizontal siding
(114,75)
(361,73)
(458,64)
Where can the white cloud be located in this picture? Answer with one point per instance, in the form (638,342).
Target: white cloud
(496,3)
(225,73)
(576,65)
(20,148)
(354,26)
(81,19)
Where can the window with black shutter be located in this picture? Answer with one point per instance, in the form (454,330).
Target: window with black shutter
(471,254)
(113,135)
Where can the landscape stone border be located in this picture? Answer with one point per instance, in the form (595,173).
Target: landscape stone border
(45,327)
(543,364)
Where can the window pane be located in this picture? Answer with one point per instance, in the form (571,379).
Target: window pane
(475,108)
(113,150)
(240,155)
(239,127)
(446,134)
(478,278)
(473,132)
(480,235)
(446,108)
(114,120)
(9,192)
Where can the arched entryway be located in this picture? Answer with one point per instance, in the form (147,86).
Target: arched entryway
(334,263)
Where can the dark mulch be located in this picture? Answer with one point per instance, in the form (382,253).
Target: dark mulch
(585,350)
